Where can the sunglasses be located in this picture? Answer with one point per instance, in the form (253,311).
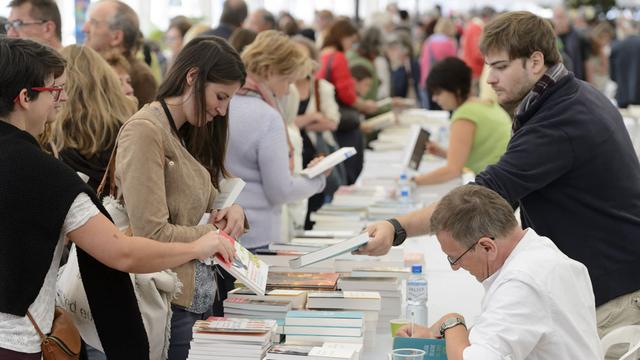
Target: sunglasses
(55,92)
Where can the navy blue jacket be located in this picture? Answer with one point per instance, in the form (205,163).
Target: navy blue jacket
(624,68)
(572,169)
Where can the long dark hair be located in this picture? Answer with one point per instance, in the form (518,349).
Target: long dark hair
(217,62)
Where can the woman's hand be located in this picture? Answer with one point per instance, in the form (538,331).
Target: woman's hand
(321,123)
(230,220)
(213,243)
(315,161)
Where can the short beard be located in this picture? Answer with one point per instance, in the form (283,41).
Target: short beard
(510,106)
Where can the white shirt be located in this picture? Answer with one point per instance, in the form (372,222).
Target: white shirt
(16,332)
(539,305)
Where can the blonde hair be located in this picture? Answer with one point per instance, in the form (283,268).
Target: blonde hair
(446,27)
(96,107)
(275,53)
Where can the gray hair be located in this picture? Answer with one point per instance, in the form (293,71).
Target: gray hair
(126,20)
(470,212)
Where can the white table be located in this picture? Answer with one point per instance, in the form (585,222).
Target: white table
(448,290)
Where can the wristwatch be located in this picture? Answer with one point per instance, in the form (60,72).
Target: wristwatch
(399,234)
(450,323)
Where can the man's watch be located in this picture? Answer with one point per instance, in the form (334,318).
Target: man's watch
(450,323)
(399,234)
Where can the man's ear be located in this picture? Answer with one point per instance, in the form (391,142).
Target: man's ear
(117,38)
(537,63)
(489,246)
(50,29)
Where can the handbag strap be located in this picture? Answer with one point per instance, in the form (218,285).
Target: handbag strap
(109,174)
(316,92)
(42,336)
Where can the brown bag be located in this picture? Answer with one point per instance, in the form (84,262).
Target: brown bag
(64,341)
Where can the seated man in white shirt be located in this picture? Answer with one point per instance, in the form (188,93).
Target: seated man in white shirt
(538,302)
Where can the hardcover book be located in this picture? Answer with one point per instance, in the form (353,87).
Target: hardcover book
(329,251)
(293,280)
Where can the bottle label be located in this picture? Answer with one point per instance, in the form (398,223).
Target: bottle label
(416,291)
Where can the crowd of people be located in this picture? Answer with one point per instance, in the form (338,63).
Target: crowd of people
(260,97)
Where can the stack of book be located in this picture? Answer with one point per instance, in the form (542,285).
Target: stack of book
(229,338)
(368,302)
(298,298)
(304,352)
(258,309)
(302,281)
(317,327)
(390,290)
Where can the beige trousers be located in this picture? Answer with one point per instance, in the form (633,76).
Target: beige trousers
(621,311)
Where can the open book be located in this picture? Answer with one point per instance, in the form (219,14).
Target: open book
(245,267)
(418,139)
(329,251)
(330,161)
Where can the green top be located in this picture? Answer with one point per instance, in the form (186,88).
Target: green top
(492,134)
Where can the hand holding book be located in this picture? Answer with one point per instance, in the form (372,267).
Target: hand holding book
(316,161)
(214,243)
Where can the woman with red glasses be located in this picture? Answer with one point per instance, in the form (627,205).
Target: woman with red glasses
(42,202)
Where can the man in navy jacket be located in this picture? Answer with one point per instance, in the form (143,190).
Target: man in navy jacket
(570,166)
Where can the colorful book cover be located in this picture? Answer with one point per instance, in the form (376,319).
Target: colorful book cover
(234,325)
(434,349)
(302,280)
(246,267)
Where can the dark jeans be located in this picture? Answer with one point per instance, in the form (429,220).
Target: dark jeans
(182,331)
(13,355)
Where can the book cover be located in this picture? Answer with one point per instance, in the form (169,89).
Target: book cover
(415,148)
(233,325)
(256,304)
(329,161)
(434,349)
(329,251)
(245,267)
(288,280)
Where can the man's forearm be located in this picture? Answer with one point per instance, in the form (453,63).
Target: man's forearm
(417,222)
(457,339)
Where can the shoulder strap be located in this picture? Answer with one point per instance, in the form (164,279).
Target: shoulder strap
(109,174)
(36,326)
(316,90)
(327,74)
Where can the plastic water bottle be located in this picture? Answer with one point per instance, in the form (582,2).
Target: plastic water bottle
(404,188)
(417,311)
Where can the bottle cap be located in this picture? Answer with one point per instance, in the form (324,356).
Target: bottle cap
(416,269)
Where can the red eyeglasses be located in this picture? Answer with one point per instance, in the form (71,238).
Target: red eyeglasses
(55,92)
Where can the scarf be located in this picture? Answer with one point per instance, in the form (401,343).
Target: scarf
(550,78)
(254,88)
(36,193)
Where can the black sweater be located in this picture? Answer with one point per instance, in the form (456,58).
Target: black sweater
(572,169)
(36,193)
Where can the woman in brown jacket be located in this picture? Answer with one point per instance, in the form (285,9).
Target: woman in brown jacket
(170,159)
